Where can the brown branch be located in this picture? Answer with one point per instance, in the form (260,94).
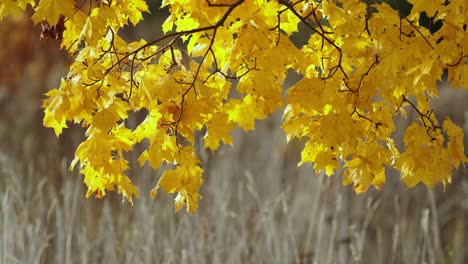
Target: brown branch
(208,50)
(424,117)
(376,61)
(459,60)
(368,17)
(333,70)
(234,76)
(355,111)
(183,33)
(420,33)
(408,35)
(349,89)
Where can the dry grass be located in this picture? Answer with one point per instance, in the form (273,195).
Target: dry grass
(257,208)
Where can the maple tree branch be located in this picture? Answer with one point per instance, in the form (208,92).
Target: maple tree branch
(78,7)
(334,69)
(174,36)
(131,78)
(317,20)
(458,61)
(376,61)
(192,84)
(367,17)
(424,117)
(232,77)
(163,49)
(278,26)
(208,50)
(182,33)
(420,33)
(408,35)
(355,111)
(90,6)
(278,17)
(134,61)
(163,76)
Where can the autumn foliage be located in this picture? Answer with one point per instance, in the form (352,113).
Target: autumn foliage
(363,64)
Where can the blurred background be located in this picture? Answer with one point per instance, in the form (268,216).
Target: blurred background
(257,206)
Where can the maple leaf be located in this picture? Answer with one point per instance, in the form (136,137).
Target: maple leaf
(218,128)
(135,8)
(243,112)
(153,155)
(50,10)
(55,114)
(184,180)
(10,7)
(429,7)
(455,146)
(309,93)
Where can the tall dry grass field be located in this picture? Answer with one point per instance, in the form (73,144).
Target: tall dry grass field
(257,207)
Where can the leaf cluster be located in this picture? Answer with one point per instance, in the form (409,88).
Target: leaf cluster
(363,64)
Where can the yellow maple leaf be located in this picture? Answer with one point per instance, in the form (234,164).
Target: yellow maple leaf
(430,7)
(243,112)
(10,7)
(153,155)
(55,107)
(218,128)
(184,180)
(134,10)
(309,93)
(50,10)
(455,145)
